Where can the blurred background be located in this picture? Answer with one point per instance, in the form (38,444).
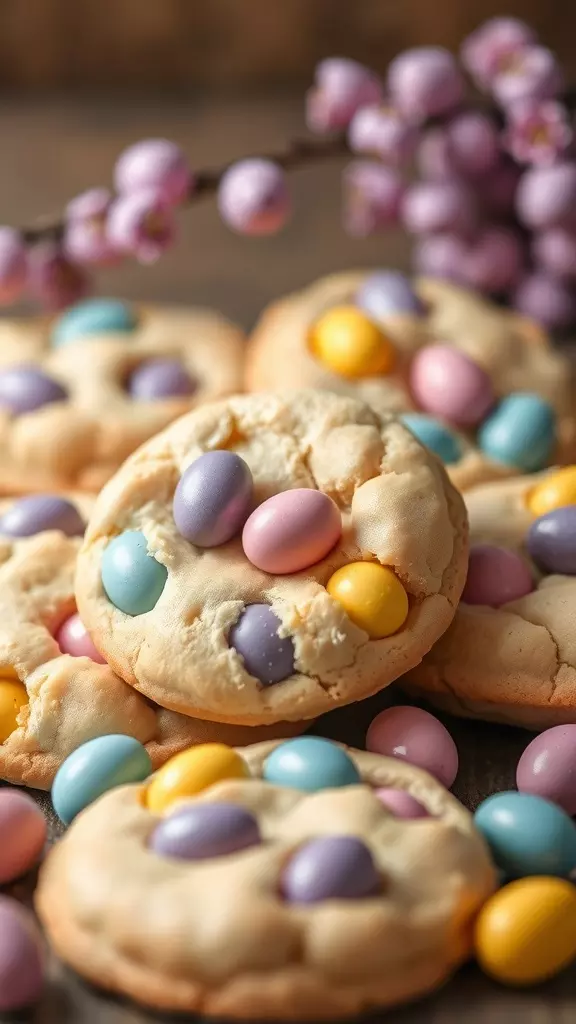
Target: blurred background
(81,79)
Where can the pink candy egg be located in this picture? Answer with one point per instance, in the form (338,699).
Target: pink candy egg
(401,804)
(495,576)
(21,957)
(73,638)
(447,383)
(292,530)
(22,834)
(547,767)
(414,735)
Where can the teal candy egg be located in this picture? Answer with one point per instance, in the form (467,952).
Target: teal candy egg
(132,578)
(96,767)
(432,433)
(527,835)
(310,763)
(93,316)
(521,432)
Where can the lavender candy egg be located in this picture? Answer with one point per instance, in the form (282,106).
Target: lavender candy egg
(200,831)
(213,499)
(292,530)
(331,867)
(42,512)
(25,389)
(21,960)
(388,293)
(551,541)
(266,655)
(547,767)
(160,378)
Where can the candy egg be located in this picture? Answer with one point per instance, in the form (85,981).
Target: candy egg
(22,832)
(94,768)
(414,735)
(310,763)
(351,344)
(160,378)
(292,530)
(201,831)
(26,388)
(73,638)
(547,767)
(527,835)
(267,656)
(526,932)
(93,316)
(447,383)
(13,697)
(42,512)
(495,576)
(330,867)
(372,596)
(521,432)
(551,541)
(132,578)
(438,438)
(401,804)
(555,491)
(388,293)
(21,959)
(191,771)
(213,499)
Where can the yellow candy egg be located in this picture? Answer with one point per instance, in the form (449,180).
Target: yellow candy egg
(351,344)
(372,596)
(555,491)
(13,696)
(526,932)
(192,771)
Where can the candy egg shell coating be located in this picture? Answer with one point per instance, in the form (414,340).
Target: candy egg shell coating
(23,834)
(555,491)
(527,835)
(132,578)
(547,768)
(201,831)
(310,763)
(73,638)
(496,575)
(93,317)
(435,435)
(292,530)
(372,596)
(39,512)
(521,432)
(414,735)
(330,867)
(213,498)
(447,383)
(551,541)
(191,771)
(388,293)
(21,959)
(13,696)
(96,767)
(351,344)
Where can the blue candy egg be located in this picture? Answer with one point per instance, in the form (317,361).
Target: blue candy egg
(521,432)
(132,578)
(527,835)
(387,293)
(96,767)
(430,432)
(93,316)
(310,763)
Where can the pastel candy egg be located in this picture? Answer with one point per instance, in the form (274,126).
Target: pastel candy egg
(351,344)
(521,432)
(292,530)
(551,541)
(213,498)
(73,638)
(192,771)
(160,378)
(22,834)
(372,596)
(13,697)
(132,578)
(267,656)
(401,804)
(310,763)
(447,383)
(94,768)
(495,576)
(42,512)
(201,831)
(526,932)
(438,438)
(388,293)
(330,867)
(555,491)
(21,958)
(527,835)
(414,735)
(93,316)
(547,768)
(26,388)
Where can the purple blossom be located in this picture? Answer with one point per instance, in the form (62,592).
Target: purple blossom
(537,132)
(341,87)
(533,74)
(372,197)
(494,46)
(381,130)
(85,235)
(141,223)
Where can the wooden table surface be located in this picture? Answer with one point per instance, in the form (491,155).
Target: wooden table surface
(53,149)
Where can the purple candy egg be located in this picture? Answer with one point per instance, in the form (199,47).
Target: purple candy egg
(42,512)
(26,388)
(331,867)
(200,831)
(22,834)
(21,961)
(551,540)
(388,293)
(547,767)
(401,804)
(213,499)
(160,378)
(266,655)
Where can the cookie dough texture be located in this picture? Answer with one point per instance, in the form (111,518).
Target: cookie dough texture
(81,441)
(516,663)
(513,350)
(215,936)
(397,507)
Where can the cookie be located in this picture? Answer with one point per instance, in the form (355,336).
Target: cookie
(510,653)
(260,899)
(55,690)
(467,374)
(79,393)
(210,617)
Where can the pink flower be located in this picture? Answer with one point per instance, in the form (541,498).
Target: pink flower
(380,130)
(494,46)
(85,235)
(341,87)
(53,279)
(533,74)
(141,223)
(537,132)
(372,197)
(154,164)
(253,197)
